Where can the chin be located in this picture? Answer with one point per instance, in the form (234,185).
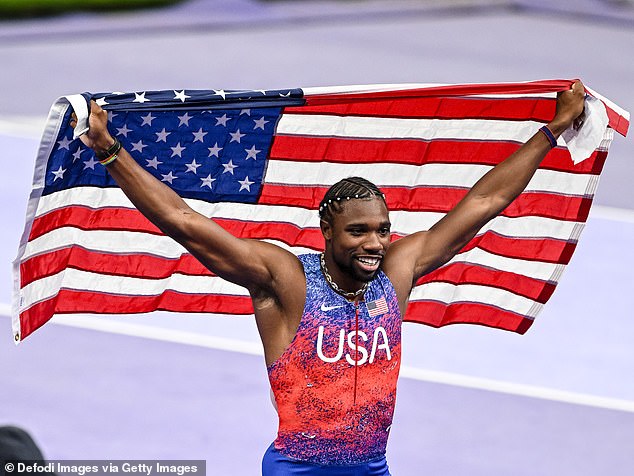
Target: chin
(365,277)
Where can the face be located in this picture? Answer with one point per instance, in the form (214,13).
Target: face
(358,238)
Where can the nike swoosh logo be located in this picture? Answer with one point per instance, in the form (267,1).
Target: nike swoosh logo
(329,308)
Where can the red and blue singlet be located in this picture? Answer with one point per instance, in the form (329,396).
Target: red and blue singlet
(335,385)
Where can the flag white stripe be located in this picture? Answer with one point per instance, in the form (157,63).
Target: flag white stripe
(450,293)
(532,269)
(433,175)
(398,128)
(124,242)
(78,280)
(377,88)
(119,242)
(403,222)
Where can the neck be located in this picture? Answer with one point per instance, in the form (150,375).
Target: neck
(358,289)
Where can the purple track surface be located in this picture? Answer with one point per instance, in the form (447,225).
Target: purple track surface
(106,396)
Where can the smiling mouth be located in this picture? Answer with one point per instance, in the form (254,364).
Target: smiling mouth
(369,261)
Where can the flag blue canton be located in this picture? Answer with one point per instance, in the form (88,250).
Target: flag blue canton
(213,147)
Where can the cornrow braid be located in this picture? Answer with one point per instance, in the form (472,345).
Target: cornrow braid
(347,189)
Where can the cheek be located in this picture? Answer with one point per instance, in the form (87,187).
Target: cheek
(347,244)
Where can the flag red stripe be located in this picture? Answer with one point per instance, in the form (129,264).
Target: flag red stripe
(438,314)
(616,120)
(418,152)
(153,267)
(463,273)
(422,199)
(524,108)
(542,249)
(439,199)
(449,90)
(533,249)
(127,219)
(135,265)
(72,302)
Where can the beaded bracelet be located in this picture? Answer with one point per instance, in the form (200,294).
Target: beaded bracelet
(549,135)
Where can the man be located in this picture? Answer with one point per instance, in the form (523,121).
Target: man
(330,323)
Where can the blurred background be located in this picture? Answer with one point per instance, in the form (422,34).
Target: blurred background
(472,401)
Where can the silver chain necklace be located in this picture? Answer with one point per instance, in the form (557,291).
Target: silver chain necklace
(333,285)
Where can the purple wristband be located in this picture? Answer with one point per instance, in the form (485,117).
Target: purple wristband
(549,135)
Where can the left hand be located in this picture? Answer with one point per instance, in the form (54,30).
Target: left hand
(569,107)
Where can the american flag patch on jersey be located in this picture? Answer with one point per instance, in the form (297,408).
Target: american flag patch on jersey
(377,307)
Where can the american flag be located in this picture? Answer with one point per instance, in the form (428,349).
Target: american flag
(258,163)
(377,307)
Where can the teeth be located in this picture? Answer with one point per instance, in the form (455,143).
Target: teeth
(369,261)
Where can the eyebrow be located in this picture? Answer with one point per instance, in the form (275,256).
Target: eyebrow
(384,224)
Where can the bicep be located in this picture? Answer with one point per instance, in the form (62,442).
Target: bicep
(422,252)
(248,263)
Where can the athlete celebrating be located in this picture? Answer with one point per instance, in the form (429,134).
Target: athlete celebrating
(330,323)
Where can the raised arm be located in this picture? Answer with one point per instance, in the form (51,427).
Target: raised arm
(419,253)
(253,264)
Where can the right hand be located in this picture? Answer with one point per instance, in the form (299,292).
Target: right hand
(97,138)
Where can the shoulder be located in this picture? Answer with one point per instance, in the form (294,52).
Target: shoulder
(404,254)
(402,261)
(285,270)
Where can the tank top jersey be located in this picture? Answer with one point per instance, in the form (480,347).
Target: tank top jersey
(335,389)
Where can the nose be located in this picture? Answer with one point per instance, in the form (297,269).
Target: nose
(373,243)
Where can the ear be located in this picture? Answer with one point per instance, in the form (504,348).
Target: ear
(326,230)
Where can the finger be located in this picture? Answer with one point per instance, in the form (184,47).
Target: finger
(95,107)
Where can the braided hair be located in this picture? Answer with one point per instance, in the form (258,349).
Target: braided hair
(344,190)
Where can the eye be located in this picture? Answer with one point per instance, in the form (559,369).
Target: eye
(384,231)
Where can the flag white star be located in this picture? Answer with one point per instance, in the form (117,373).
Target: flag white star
(245,184)
(259,123)
(287,95)
(123,131)
(59,173)
(140,98)
(90,163)
(162,135)
(236,136)
(245,111)
(181,95)
(138,146)
(111,116)
(229,167)
(222,121)
(215,150)
(154,162)
(168,177)
(200,135)
(193,167)
(77,154)
(101,101)
(220,92)
(207,181)
(64,143)
(177,150)
(184,120)
(147,120)
(252,153)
